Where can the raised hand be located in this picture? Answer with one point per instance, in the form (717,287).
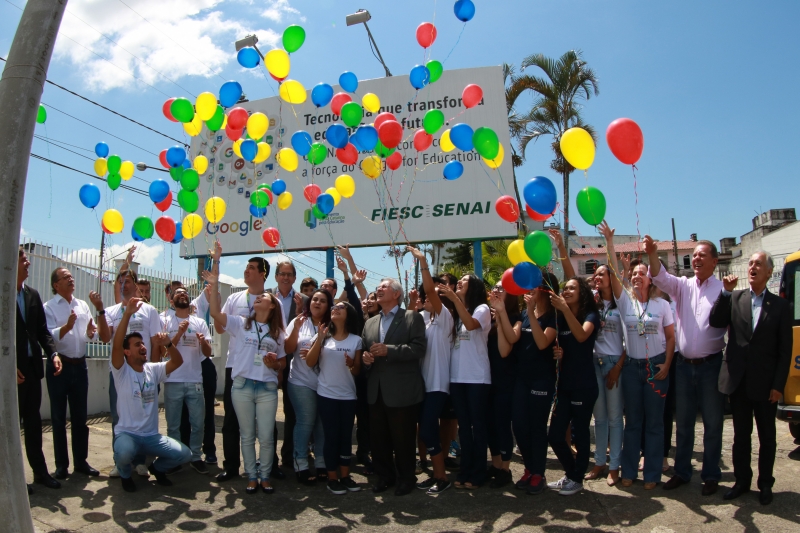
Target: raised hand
(96,299)
(359,276)
(558,302)
(344,251)
(625,259)
(497,302)
(216,252)
(413,296)
(182,328)
(606,231)
(341,264)
(162,339)
(447,292)
(134,304)
(530,303)
(298,301)
(131,253)
(418,254)
(323,332)
(650,246)
(555,234)
(210,278)
(729,282)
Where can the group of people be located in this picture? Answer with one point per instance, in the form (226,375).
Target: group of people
(619,347)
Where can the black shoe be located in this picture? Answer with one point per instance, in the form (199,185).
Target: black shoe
(766,496)
(269,489)
(736,491)
(382,486)
(251,490)
(62,473)
(277,473)
(501,479)
(211,459)
(451,465)
(199,466)
(30,490)
(225,476)
(88,470)
(710,487)
(161,477)
(335,486)
(492,471)
(674,482)
(403,489)
(441,485)
(174,470)
(427,484)
(46,480)
(128,485)
(348,483)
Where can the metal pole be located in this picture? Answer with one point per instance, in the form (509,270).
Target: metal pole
(477,258)
(675,249)
(100,271)
(329,261)
(380,57)
(21,89)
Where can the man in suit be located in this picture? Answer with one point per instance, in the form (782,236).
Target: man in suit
(32,338)
(755,369)
(394,343)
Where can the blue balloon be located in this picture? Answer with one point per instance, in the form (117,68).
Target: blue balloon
(527,275)
(249,150)
(136,236)
(453,170)
(159,189)
(355,142)
(461,137)
(321,94)
(348,81)
(419,77)
(367,138)
(464,10)
(301,142)
(187,164)
(248,58)
(258,212)
(278,187)
(337,135)
(540,195)
(178,233)
(101,149)
(325,203)
(90,195)
(176,155)
(229,93)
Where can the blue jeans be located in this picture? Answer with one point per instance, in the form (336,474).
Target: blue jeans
(608,423)
(644,406)
(338,418)
(304,401)
(175,394)
(697,389)
(471,401)
(256,400)
(139,458)
(432,406)
(169,452)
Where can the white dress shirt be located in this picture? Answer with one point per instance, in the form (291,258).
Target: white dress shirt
(57,311)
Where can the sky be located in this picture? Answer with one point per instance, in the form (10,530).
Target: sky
(710,84)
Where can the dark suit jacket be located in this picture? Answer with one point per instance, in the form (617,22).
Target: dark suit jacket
(33,332)
(763,355)
(293,311)
(398,375)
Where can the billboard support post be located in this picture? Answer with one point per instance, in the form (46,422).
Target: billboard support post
(477,258)
(329,262)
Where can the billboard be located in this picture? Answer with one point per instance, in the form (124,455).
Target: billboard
(411,204)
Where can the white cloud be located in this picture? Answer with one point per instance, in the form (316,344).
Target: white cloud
(230,280)
(146,255)
(22,232)
(234,262)
(278,8)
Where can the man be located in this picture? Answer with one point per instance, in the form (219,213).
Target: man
(394,342)
(308,286)
(137,382)
(71,326)
(144,290)
(33,337)
(698,364)
(184,387)
(755,369)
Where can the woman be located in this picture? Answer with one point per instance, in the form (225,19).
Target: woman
(258,357)
(370,306)
(470,376)
(337,350)
(302,386)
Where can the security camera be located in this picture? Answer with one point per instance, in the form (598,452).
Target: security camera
(359,17)
(247,42)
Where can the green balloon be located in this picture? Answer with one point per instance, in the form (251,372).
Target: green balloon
(352,113)
(293,38)
(114,181)
(143,226)
(591,205)
(176,173)
(433,121)
(259,199)
(382,151)
(41,115)
(264,186)
(486,142)
(435,68)
(215,122)
(188,200)
(114,164)
(190,180)
(319,215)
(317,154)
(537,248)
(182,109)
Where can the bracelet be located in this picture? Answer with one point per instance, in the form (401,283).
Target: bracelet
(101,312)
(425,269)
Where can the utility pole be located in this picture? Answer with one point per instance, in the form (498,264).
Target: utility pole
(21,89)
(675,250)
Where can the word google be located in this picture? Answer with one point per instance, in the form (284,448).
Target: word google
(243,227)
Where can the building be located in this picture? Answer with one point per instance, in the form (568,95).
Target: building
(586,260)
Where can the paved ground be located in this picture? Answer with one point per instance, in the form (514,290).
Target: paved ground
(197,503)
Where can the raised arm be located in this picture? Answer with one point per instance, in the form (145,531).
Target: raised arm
(358,278)
(721,312)
(507,333)
(312,357)
(117,351)
(608,233)
(661,277)
(542,338)
(566,265)
(467,319)
(581,332)
(427,279)
(102,323)
(220,318)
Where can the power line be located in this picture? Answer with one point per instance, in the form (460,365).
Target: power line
(62,142)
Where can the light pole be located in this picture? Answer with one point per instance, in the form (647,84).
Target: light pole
(361,17)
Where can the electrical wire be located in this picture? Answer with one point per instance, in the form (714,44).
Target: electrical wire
(62,142)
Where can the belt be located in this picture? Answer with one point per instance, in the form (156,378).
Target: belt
(73,361)
(699,360)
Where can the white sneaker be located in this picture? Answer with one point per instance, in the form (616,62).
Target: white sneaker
(142,470)
(556,485)
(114,472)
(570,487)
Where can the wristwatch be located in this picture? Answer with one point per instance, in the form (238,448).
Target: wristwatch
(101,312)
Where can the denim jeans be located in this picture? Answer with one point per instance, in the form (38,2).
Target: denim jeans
(256,403)
(209,425)
(697,388)
(168,452)
(71,387)
(175,394)
(644,400)
(530,411)
(139,458)
(471,401)
(573,409)
(608,422)
(338,418)
(308,423)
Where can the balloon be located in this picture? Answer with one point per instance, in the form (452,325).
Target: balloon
(419,76)
(178,233)
(215,209)
(486,143)
(352,113)
(248,149)
(625,138)
(371,102)
(192,226)
(591,205)
(540,195)
(257,125)
(101,149)
(464,10)
(165,228)
(527,276)
(453,170)
(338,100)
(422,141)
(348,81)
(321,94)
(382,151)
(126,170)
(317,212)
(258,212)
(435,68)
(166,110)
(345,185)
(472,95)
(206,104)
(113,221)
(390,133)
(367,137)
(507,208)
(383,117)
(200,164)
(337,136)
(347,155)
(100,167)
(217,120)
(445,143)
(143,226)
(190,181)
(325,203)
(293,38)
(232,133)
(433,120)
(176,173)
(317,154)
(265,186)
(301,142)
(176,155)
(335,194)
(271,237)
(498,159)
(136,237)
(426,34)
(287,159)
(507,280)
(237,147)
(259,198)
(193,127)
(311,192)
(263,154)
(284,200)
(162,158)
(89,195)
(187,164)
(461,137)
(159,189)
(538,247)
(538,217)
(577,146)
(229,93)
(248,58)
(182,109)
(237,118)
(293,92)
(188,200)
(278,186)
(372,166)
(114,163)
(277,62)
(394,161)
(166,203)
(516,252)
(114,180)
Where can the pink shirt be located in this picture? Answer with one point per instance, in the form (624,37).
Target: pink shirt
(693,303)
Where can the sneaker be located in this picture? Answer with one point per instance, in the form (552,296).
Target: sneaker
(451,465)
(491,471)
(127,484)
(536,485)
(523,482)
(501,478)
(174,470)
(142,470)
(199,466)
(161,477)
(570,487)
(441,485)
(348,483)
(556,485)
(422,465)
(336,487)
(211,459)
(114,472)
(455,449)
(428,483)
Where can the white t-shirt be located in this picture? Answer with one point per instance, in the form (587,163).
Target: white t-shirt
(145,321)
(335,380)
(609,338)
(299,372)
(436,364)
(191,370)
(644,325)
(251,347)
(469,360)
(238,304)
(137,398)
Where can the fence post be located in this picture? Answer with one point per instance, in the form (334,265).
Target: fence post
(329,261)
(477,258)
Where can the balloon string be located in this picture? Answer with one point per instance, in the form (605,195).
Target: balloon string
(636,204)
(464,27)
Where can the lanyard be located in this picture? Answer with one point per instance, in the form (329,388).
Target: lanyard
(260,337)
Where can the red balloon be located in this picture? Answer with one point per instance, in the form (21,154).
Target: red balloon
(162,158)
(538,217)
(279,80)
(426,34)
(338,100)
(272,237)
(625,139)
(390,133)
(472,95)
(507,208)
(383,117)
(165,228)
(233,134)
(166,110)
(507,280)
(394,161)
(164,204)
(347,155)
(311,192)
(104,227)
(422,140)
(269,195)
(237,118)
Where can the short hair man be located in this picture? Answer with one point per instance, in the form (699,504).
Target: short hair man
(308,286)
(144,290)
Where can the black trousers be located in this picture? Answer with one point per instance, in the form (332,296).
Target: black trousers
(574,406)
(393,435)
(530,411)
(29,396)
(744,410)
(230,430)
(337,423)
(362,417)
(71,387)
(500,438)
(209,397)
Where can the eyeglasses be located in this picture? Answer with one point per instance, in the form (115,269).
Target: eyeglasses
(338,307)
(285,274)
(62,278)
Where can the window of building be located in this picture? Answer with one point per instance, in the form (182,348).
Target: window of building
(687,262)
(590,266)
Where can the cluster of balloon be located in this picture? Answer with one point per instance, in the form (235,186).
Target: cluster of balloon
(578,148)
(528,256)
(540,198)
(111,165)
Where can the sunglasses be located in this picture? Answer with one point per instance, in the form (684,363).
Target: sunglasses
(338,307)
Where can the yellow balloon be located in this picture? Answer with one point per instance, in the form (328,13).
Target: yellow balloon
(100,166)
(516,252)
(284,200)
(371,102)
(578,148)
(126,170)
(287,159)
(215,209)
(264,151)
(345,185)
(236,147)
(257,125)
(497,161)
(336,196)
(113,221)
(445,143)
(192,226)
(200,164)
(372,166)
(194,127)
(293,92)
(277,63)
(205,106)
(224,122)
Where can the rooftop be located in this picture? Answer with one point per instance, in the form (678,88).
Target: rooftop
(631,247)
